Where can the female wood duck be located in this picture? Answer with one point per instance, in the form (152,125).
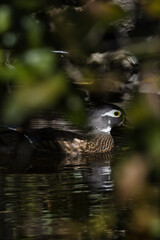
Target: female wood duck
(96,139)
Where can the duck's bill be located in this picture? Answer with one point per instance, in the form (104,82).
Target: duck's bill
(127,124)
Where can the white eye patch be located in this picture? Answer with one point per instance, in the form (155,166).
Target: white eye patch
(113,113)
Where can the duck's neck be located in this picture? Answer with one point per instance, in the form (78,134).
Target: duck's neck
(106,130)
(98,131)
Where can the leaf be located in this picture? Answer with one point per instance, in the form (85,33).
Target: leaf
(35,96)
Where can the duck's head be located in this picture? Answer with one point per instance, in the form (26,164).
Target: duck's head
(101,120)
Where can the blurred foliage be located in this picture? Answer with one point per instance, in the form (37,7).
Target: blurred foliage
(33,79)
(29,31)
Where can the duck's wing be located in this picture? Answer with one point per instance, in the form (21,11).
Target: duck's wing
(51,134)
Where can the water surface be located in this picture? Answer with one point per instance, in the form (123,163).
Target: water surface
(74,203)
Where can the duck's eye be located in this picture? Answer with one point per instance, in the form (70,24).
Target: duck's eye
(116,113)
(112,113)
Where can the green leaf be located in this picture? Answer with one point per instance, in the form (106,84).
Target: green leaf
(5,18)
(27,99)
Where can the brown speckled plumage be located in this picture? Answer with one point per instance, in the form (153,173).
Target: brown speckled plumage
(102,143)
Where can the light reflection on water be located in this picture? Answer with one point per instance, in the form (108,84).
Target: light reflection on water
(75,200)
(69,204)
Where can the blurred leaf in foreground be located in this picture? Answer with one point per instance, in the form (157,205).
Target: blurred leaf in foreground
(5,18)
(39,95)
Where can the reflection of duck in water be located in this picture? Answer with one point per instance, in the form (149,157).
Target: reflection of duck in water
(96,139)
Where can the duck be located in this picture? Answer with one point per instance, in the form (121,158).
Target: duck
(95,138)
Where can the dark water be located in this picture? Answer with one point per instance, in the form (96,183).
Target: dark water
(77,200)
(74,203)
